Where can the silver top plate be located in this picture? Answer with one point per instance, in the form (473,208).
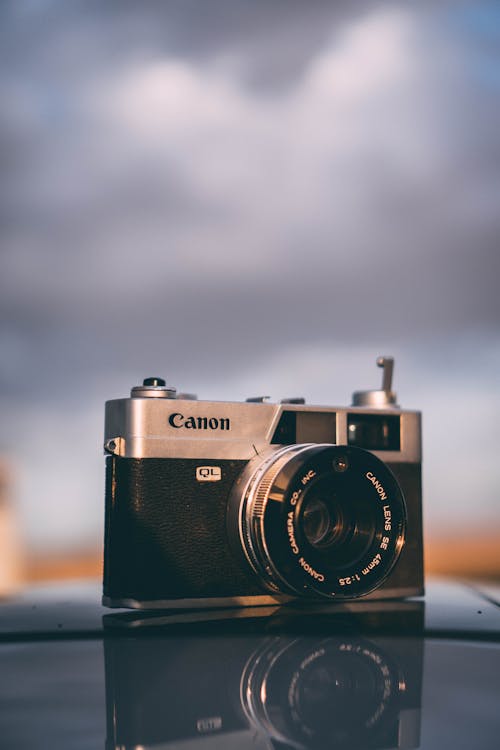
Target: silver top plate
(167,428)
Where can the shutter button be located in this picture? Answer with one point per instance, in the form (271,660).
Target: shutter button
(153,388)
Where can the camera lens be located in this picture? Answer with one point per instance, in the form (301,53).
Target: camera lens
(320,520)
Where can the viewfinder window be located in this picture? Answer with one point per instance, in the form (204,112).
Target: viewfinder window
(374,432)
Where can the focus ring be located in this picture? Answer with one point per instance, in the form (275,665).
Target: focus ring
(264,487)
(252,518)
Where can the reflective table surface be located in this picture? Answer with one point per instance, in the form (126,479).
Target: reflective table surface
(418,673)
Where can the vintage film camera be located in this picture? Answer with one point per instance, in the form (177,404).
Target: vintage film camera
(222,503)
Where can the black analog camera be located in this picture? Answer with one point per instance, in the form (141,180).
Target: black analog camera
(224,503)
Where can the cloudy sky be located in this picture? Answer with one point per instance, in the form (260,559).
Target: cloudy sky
(247,198)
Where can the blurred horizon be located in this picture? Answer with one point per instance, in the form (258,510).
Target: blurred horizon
(248,198)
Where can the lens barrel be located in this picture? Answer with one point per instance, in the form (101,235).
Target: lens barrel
(320,520)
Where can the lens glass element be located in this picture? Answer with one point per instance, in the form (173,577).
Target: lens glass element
(334,520)
(317,523)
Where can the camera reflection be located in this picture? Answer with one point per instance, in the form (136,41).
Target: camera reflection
(338,692)
(263,690)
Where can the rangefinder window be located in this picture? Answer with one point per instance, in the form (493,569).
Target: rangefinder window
(285,432)
(316,427)
(374,432)
(305,427)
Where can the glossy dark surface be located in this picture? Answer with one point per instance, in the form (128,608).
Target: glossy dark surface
(402,674)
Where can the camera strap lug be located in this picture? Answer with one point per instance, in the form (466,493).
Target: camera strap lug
(115,446)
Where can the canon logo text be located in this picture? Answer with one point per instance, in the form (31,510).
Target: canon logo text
(178,420)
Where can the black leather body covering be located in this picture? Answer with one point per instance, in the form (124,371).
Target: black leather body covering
(165,532)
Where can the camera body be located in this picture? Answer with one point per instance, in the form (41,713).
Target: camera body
(223,503)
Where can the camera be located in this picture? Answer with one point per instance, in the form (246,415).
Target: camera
(250,503)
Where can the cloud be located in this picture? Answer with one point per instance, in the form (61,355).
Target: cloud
(232,199)
(169,190)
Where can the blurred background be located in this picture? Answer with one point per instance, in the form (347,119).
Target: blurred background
(245,198)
